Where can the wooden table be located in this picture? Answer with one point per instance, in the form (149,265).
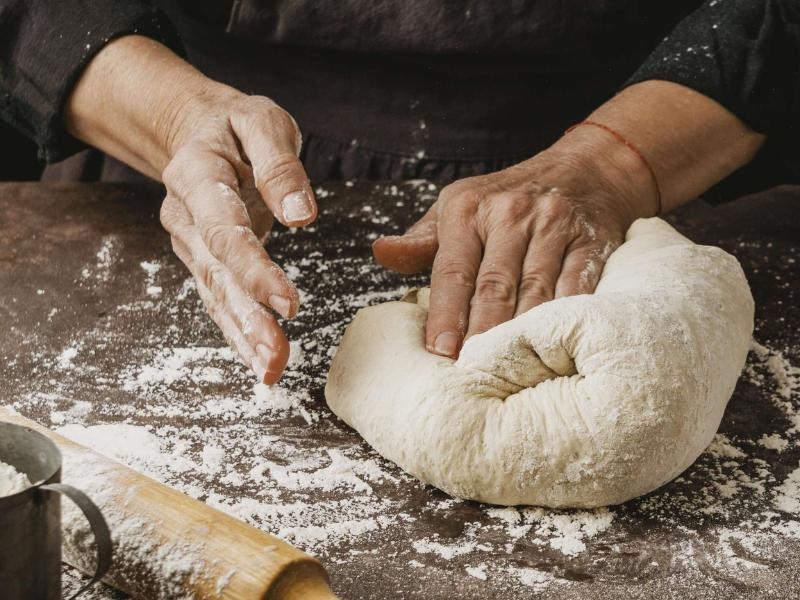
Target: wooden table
(102,326)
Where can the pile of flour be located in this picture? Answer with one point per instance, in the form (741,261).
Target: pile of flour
(11,480)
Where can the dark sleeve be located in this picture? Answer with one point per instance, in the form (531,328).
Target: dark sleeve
(745,54)
(44,47)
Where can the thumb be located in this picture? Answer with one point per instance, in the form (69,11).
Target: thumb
(270,139)
(411,252)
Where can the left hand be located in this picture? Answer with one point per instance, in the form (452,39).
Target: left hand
(503,243)
(234,166)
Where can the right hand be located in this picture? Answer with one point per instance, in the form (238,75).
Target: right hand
(229,163)
(234,166)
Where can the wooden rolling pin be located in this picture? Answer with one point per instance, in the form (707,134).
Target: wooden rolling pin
(169,545)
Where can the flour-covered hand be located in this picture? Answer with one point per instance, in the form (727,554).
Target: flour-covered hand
(229,162)
(229,174)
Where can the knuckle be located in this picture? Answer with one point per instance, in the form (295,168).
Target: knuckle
(454,273)
(167,215)
(213,310)
(451,190)
(458,213)
(510,209)
(281,170)
(535,285)
(251,277)
(282,119)
(259,109)
(554,208)
(461,185)
(259,101)
(220,238)
(216,168)
(497,288)
(460,194)
(210,275)
(172,173)
(178,249)
(468,200)
(185,155)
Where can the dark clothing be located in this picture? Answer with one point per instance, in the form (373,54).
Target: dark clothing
(44,47)
(392,89)
(745,54)
(18,160)
(381,89)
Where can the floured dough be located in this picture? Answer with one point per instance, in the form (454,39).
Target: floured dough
(580,402)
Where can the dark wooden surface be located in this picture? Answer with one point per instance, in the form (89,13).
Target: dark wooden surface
(695,538)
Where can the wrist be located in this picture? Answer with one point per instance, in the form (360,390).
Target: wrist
(600,158)
(126,104)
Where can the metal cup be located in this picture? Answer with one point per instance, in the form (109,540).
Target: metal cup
(30,521)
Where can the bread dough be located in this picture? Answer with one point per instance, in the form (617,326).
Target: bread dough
(583,401)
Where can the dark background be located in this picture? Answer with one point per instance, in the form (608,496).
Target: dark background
(18,160)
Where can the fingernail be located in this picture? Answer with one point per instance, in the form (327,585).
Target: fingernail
(446,343)
(264,357)
(281,305)
(259,368)
(296,206)
(272,377)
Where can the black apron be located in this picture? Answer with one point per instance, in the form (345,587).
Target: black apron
(404,89)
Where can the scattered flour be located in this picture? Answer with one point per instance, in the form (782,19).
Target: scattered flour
(66,357)
(787,496)
(773,442)
(478,572)
(445,551)
(533,578)
(132,445)
(565,531)
(173,365)
(106,256)
(179,407)
(151,269)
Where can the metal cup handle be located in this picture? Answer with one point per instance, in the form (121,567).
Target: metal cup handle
(102,535)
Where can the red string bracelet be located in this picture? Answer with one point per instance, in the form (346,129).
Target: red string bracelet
(620,138)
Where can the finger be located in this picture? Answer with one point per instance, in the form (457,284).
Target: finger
(495,296)
(271,140)
(245,323)
(452,285)
(216,310)
(540,269)
(267,363)
(411,252)
(206,183)
(260,216)
(581,270)
(239,315)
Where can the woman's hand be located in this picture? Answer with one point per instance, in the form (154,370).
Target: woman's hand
(503,243)
(231,172)
(229,163)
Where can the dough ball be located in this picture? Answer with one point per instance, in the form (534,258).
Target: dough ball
(580,402)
